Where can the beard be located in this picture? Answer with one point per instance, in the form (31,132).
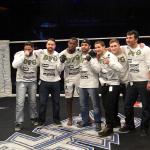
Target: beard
(71,50)
(30,53)
(50,50)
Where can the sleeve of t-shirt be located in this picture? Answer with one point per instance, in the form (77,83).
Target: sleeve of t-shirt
(18,59)
(147,56)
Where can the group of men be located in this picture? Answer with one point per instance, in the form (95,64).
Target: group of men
(110,71)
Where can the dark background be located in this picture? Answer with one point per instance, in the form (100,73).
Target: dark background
(61,19)
(41,19)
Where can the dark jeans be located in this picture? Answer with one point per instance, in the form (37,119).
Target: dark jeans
(138,88)
(123,89)
(47,88)
(110,100)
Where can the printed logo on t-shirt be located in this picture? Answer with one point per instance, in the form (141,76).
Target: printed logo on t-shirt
(121,59)
(84,75)
(134,68)
(50,58)
(29,62)
(74,59)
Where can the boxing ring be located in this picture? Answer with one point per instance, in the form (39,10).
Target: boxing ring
(9,48)
(53,137)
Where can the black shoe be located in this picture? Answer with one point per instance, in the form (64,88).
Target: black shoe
(18,126)
(144,132)
(117,125)
(91,120)
(40,124)
(106,132)
(80,124)
(125,129)
(57,122)
(98,127)
(34,121)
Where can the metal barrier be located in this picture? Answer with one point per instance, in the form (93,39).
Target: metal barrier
(61,44)
(79,39)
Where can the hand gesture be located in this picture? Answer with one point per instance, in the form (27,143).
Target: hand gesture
(92,53)
(63,58)
(106,61)
(27,53)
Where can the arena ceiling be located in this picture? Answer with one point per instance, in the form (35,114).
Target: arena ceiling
(39,19)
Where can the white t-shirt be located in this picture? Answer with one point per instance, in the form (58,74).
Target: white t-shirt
(124,75)
(26,67)
(71,65)
(109,73)
(139,62)
(89,73)
(50,66)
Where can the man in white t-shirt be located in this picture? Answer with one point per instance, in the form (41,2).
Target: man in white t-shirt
(70,57)
(26,82)
(116,49)
(109,86)
(88,86)
(139,82)
(50,69)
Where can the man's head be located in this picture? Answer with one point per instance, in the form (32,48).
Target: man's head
(132,38)
(85,45)
(114,46)
(51,45)
(28,48)
(99,47)
(72,44)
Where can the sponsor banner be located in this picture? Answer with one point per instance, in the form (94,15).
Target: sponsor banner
(5,69)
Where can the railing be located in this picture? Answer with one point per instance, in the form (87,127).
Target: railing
(61,44)
(79,39)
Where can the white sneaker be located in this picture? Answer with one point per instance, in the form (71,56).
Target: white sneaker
(18,127)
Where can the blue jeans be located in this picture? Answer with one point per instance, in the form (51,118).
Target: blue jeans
(47,88)
(21,89)
(84,104)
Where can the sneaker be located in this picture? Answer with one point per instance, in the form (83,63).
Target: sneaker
(91,120)
(80,124)
(106,132)
(98,127)
(117,125)
(34,121)
(40,124)
(144,133)
(125,129)
(18,127)
(57,122)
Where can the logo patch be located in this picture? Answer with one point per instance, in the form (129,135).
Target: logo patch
(53,137)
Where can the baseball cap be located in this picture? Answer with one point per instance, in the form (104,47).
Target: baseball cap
(86,41)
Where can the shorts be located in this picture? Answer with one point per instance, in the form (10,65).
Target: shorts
(71,89)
